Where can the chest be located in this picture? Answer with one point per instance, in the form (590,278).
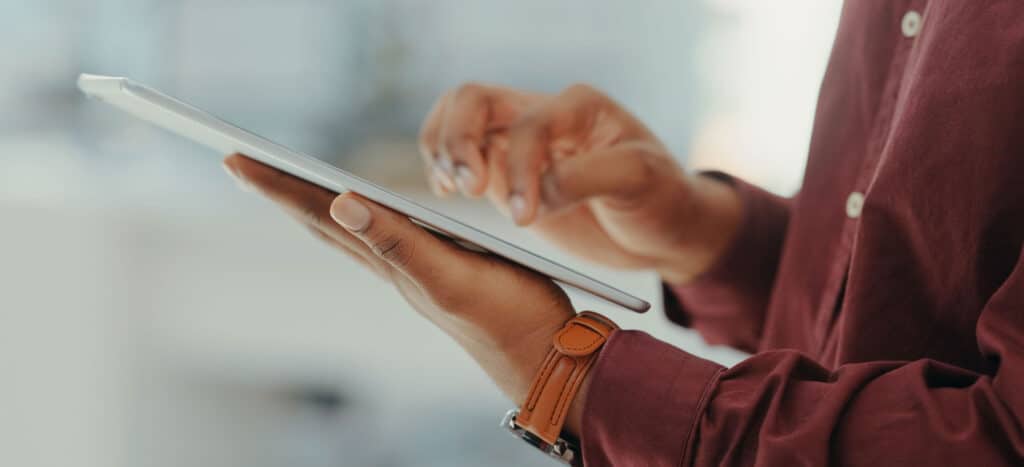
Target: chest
(911,208)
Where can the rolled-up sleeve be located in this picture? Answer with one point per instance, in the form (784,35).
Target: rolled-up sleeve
(726,304)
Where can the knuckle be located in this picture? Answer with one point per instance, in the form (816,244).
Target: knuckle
(584,92)
(642,172)
(469,90)
(394,250)
(313,216)
(582,96)
(580,89)
(427,136)
(453,143)
(532,124)
(450,148)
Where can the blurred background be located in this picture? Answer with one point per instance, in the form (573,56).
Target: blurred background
(151,314)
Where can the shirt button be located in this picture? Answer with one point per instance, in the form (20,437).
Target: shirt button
(911,24)
(854,204)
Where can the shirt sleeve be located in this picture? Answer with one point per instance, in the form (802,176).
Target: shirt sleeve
(654,405)
(726,304)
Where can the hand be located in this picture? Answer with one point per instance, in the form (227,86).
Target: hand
(504,316)
(579,170)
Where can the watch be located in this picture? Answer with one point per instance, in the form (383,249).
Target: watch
(539,419)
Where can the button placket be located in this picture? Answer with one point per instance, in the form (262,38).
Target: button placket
(828,306)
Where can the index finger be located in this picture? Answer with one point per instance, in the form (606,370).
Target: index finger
(473,110)
(564,119)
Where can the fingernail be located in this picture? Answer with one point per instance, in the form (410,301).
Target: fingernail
(351,214)
(446,164)
(465,178)
(517,204)
(239,181)
(435,187)
(443,178)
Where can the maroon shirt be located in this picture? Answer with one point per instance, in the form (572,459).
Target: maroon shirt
(885,302)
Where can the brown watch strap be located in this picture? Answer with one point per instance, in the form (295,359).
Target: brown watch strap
(554,388)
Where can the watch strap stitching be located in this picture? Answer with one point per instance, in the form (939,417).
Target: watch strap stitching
(550,428)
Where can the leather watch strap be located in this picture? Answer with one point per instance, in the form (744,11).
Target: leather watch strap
(574,351)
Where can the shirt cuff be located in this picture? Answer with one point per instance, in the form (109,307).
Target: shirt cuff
(727,302)
(645,400)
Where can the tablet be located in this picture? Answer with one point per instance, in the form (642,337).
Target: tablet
(199,126)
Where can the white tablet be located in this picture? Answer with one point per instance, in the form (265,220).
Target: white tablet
(199,126)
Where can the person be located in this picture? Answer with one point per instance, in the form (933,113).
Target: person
(883,304)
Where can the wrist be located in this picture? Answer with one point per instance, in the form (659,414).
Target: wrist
(529,356)
(550,416)
(511,355)
(714,218)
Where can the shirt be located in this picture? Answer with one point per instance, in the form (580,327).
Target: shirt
(885,301)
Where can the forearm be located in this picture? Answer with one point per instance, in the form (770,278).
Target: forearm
(719,208)
(728,301)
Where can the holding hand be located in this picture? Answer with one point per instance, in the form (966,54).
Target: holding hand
(582,172)
(503,315)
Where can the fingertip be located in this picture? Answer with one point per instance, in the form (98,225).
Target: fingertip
(523,199)
(445,165)
(244,171)
(231,162)
(228,165)
(469,183)
(239,180)
(441,180)
(435,187)
(520,208)
(245,167)
(351,212)
(463,166)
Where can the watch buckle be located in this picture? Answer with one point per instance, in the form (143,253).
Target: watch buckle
(561,449)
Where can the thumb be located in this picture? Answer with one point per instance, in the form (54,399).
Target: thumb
(624,171)
(396,240)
